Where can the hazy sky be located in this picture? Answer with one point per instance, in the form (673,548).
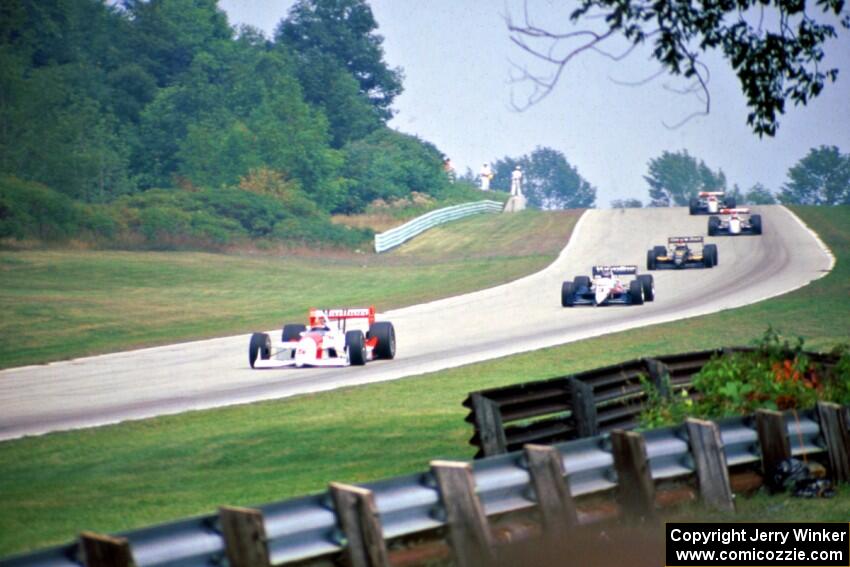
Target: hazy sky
(457,55)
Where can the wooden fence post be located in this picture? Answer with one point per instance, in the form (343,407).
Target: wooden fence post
(551,488)
(244,536)
(659,375)
(712,471)
(469,530)
(635,487)
(583,408)
(835,427)
(105,551)
(773,440)
(358,516)
(488,422)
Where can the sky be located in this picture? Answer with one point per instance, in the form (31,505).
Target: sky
(458,63)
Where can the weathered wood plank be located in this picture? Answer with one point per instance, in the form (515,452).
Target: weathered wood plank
(635,488)
(773,440)
(583,406)
(551,488)
(244,536)
(358,516)
(105,551)
(712,470)
(469,530)
(835,426)
(488,422)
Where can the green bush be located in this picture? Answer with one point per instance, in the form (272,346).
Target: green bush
(778,375)
(31,210)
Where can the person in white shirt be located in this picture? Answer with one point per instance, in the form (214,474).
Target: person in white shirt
(486,175)
(516,181)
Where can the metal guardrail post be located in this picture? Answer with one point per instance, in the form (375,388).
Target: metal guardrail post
(105,551)
(358,515)
(712,469)
(835,426)
(244,536)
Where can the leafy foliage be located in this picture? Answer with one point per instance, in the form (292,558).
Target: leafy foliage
(674,178)
(778,375)
(345,31)
(548,181)
(105,102)
(758,194)
(820,178)
(389,165)
(775,47)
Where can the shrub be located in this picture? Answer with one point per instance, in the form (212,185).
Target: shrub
(777,375)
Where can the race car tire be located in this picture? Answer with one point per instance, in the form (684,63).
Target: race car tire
(567,294)
(731,202)
(259,347)
(755,223)
(355,344)
(636,292)
(581,282)
(648,285)
(292,332)
(713,225)
(693,205)
(709,255)
(385,333)
(650,259)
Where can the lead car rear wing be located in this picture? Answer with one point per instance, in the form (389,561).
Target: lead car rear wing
(616,270)
(342,314)
(684,240)
(711,193)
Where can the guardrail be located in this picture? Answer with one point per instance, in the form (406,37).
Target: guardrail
(463,496)
(393,237)
(583,404)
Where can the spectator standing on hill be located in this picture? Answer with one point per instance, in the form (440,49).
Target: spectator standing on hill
(486,175)
(448,168)
(516,181)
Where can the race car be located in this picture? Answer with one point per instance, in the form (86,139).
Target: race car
(332,337)
(734,221)
(710,202)
(679,254)
(607,287)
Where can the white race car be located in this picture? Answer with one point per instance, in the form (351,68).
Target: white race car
(608,287)
(734,221)
(710,202)
(332,337)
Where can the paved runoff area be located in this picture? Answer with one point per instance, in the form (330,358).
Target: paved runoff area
(516,317)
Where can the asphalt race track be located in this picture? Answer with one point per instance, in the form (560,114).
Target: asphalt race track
(515,317)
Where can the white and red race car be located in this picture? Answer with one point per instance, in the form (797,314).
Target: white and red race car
(710,202)
(332,337)
(734,221)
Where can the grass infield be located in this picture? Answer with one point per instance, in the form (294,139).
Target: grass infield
(60,304)
(140,473)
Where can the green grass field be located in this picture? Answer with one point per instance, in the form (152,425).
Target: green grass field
(140,473)
(60,304)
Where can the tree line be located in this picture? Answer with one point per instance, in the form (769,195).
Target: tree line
(150,117)
(822,177)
